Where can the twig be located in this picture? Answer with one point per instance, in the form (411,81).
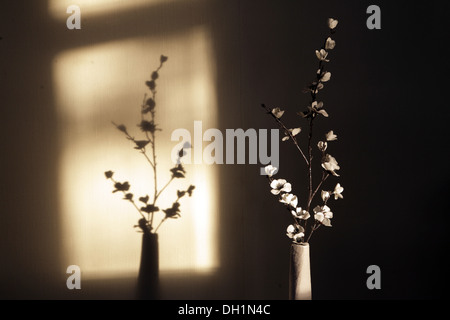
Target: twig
(281,124)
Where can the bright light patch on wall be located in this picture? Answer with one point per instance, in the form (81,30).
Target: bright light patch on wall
(58,8)
(99,84)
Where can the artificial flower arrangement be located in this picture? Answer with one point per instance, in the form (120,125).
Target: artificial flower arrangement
(300,231)
(148,126)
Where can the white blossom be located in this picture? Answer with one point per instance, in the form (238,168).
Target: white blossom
(330,44)
(332,23)
(289,199)
(277,112)
(318,107)
(298,237)
(338,192)
(322,146)
(322,55)
(330,136)
(330,164)
(325,76)
(293,132)
(300,214)
(295,232)
(323,215)
(325,195)
(270,170)
(280,185)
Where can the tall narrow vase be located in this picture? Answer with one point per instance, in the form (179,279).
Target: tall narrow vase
(148,279)
(299,273)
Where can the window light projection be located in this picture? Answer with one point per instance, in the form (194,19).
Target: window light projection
(58,8)
(99,84)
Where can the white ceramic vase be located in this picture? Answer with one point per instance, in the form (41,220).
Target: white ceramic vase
(299,272)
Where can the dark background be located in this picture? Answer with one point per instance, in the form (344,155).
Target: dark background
(387,101)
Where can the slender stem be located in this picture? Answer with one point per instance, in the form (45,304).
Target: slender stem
(146,157)
(324,177)
(160,223)
(314,228)
(165,186)
(155,177)
(310,191)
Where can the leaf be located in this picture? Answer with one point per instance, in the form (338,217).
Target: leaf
(150,102)
(147,126)
(190,189)
(174,212)
(143,224)
(332,23)
(150,208)
(129,196)
(325,76)
(180,194)
(151,84)
(303,114)
(109,174)
(140,144)
(178,171)
(277,112)
(144,199)
(187,145)
(121,186)
(326,222)
(163,59)
(323,112)
(121,128)
(295,131)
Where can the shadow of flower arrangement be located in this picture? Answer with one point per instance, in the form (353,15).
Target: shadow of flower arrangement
(147,206)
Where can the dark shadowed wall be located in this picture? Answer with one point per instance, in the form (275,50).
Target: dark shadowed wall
(387,102)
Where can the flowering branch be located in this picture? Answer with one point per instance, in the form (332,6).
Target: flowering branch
(298,231)
(149,127)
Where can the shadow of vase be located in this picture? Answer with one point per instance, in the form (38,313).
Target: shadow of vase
(148,278)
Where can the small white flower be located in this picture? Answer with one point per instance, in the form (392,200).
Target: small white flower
(293,132)
(332,23)
(330,164)
(330,44)
(323,215)
(338,192)
(325,195)
(289,199)
(280,185)
(277,112)
(298,237)
(322,55)
(270,170)
(318,107)
(300,214)
(322,146)
(295,232)
(330,136)
(326,76)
